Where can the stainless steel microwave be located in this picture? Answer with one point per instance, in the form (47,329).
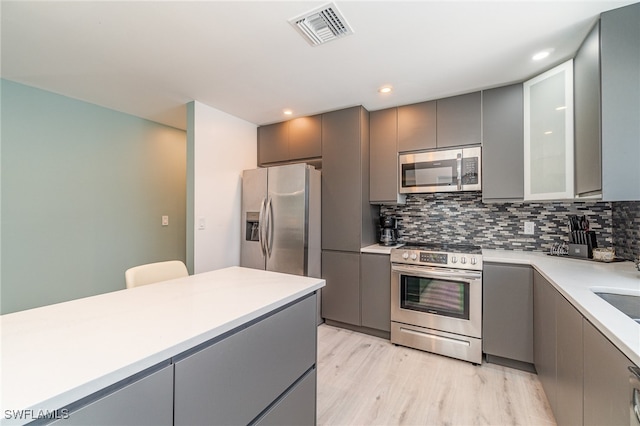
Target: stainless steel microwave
(441,170)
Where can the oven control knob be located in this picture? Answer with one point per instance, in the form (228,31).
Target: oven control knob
(414,256)
(405,255)
(473,261)
(454,259)
(463,260)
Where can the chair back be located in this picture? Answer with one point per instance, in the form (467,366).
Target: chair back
(154,272)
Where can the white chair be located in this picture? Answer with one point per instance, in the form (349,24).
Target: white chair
(154,272)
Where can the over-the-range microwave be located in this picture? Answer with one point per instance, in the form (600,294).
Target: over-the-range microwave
(447,170)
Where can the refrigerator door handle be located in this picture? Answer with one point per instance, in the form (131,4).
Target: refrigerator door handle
(262,227)
(269,226)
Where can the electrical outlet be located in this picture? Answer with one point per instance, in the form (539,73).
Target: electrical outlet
(529,228)
(165,220)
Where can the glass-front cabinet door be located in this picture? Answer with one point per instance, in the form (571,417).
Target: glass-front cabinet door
(548,135)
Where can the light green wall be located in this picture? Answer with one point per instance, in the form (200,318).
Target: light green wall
(83,189)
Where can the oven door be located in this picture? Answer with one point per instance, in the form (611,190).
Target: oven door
(442,299)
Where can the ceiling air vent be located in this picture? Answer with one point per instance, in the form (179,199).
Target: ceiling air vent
(322,25)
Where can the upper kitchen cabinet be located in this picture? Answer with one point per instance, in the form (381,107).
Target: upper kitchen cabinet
(416,127)
(502,144)
(548,135)
(273,143)
(347,216)
(297,139)
(444,123)
(383,157)
(305,137)
(586,83)
(620,87)
(459,120)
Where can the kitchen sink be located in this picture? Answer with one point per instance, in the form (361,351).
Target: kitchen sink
(628,304)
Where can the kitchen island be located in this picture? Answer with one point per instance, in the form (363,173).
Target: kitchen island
(66,358)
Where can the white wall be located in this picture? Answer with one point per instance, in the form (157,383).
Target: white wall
(224,146)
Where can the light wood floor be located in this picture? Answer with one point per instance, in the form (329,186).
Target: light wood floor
(364,380)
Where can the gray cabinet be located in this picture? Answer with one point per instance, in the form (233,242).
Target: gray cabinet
(507,309)
(383,157)
(503,144)
(273,143)
(445,123)
(305,137)
(569,353)
(544,336)
(607,397)
(459,120)
(297,139)
(586,82)
(341,295)
(417,126)
(375,290)
(347,216)
(297,407)
(144,401)
(234,380)
(620,86)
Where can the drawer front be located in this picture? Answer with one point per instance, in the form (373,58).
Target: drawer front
(235,379)
(297,407)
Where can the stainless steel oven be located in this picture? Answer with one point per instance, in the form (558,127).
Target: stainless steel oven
(436,300)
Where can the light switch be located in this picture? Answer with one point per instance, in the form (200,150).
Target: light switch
(201,223)
(165,220)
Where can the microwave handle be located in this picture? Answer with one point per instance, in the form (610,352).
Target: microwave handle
(459,170)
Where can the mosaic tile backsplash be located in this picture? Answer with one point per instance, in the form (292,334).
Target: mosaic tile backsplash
(626,229)
(462,217)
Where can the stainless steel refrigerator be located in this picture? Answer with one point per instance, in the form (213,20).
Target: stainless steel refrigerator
(281,219)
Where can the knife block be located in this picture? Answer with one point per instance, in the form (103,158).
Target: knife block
(582,243)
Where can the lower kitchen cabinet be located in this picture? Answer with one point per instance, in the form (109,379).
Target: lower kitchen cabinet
(558,351)
(507,309)
(236,379)
(607,397)
(544,336)
(375,282)
(569,353)
(146,401)
(358,291)
(341,295)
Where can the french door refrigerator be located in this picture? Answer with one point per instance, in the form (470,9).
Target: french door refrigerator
(281,219)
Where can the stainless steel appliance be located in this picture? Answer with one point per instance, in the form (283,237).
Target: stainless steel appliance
(447,170)
(436,299)
(281,219)
(388,231)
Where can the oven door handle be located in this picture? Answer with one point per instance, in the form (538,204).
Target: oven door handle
(428,272)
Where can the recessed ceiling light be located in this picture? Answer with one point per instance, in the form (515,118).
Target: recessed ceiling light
(542,54)
(385,89)
(287,112)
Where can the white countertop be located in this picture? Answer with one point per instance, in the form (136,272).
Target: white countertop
(378,249)
(574,279)
(57,354)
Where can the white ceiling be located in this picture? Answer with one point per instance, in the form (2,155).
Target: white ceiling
(150,58)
